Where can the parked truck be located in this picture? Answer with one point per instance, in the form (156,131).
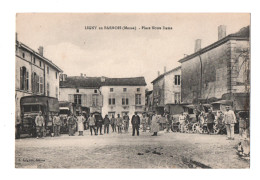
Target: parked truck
(30,107)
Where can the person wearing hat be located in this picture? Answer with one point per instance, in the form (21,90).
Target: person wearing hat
(126,120)
(119,123)
(92,123)
(57,124)
(210,121)
(71,123)
(135,123)
(230,120)
(106,124)
(113,123)
(40,123)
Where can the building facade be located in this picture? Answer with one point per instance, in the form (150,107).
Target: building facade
(220,68)
(83,91)
(167,89)
(105,95)
(148,101)
(123,95)
(35,75)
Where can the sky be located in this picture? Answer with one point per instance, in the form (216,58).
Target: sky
(121,53)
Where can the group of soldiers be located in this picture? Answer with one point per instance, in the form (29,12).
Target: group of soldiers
(94,123)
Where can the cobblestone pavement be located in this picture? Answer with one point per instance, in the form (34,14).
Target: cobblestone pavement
(167,150)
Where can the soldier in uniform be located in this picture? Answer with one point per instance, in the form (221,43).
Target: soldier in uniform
(113,123)
(57,124)
(40,123)
(135,123)
(106,124)
(71,123)
(230,120)
(126,119)
(92,123)
(119,123)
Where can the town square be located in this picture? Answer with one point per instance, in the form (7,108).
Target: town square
(132,91)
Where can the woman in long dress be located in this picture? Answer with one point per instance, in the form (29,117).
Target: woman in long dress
(155,125)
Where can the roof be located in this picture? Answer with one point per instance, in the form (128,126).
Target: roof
(95,82)
(242,34)
(162,75)
(39,56)
(133,81)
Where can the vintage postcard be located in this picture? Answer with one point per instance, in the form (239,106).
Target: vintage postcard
(132,90)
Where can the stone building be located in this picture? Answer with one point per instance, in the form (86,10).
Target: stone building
(123,95)
(83,91)
(148,101)
(167,89)
(105,95)
(220,68)
(34,75)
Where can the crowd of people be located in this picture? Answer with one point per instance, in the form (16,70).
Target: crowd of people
(151,122)
(95,124)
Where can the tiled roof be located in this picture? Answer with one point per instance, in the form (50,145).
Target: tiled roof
(95,82)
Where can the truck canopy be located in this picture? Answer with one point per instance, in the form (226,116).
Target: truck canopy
(50,102)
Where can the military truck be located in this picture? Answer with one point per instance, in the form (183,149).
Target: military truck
(30,107)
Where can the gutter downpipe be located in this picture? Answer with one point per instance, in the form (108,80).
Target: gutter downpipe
(200,75)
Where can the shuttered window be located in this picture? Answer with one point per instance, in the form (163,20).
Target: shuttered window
(177,79)
(48,89)
(41,85)
(77,98)
(138,99)
(24,78)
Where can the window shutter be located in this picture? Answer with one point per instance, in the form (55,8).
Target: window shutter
(27,80)
(21,79)
(89,100)
(71,98)
(32,83)
(84,100)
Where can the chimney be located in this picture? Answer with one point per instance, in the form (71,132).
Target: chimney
(103,78)
(81,74)
(40,50)
(221,31)
(16,36)
(158,73)
(197,45)
(63,77)
(164,69)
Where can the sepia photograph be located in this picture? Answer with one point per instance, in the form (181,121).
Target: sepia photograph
(132,90)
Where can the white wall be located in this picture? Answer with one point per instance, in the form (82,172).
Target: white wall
(118,93)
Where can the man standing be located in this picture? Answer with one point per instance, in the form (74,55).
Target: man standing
(210,121)
(113,123)
(182,122)
(71,123)
(119,123)
(92,123)
(57,124)
(99,122)
(39,122)
(135,124)
(126,119)
(106,124)
(230,120)
(80,123)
